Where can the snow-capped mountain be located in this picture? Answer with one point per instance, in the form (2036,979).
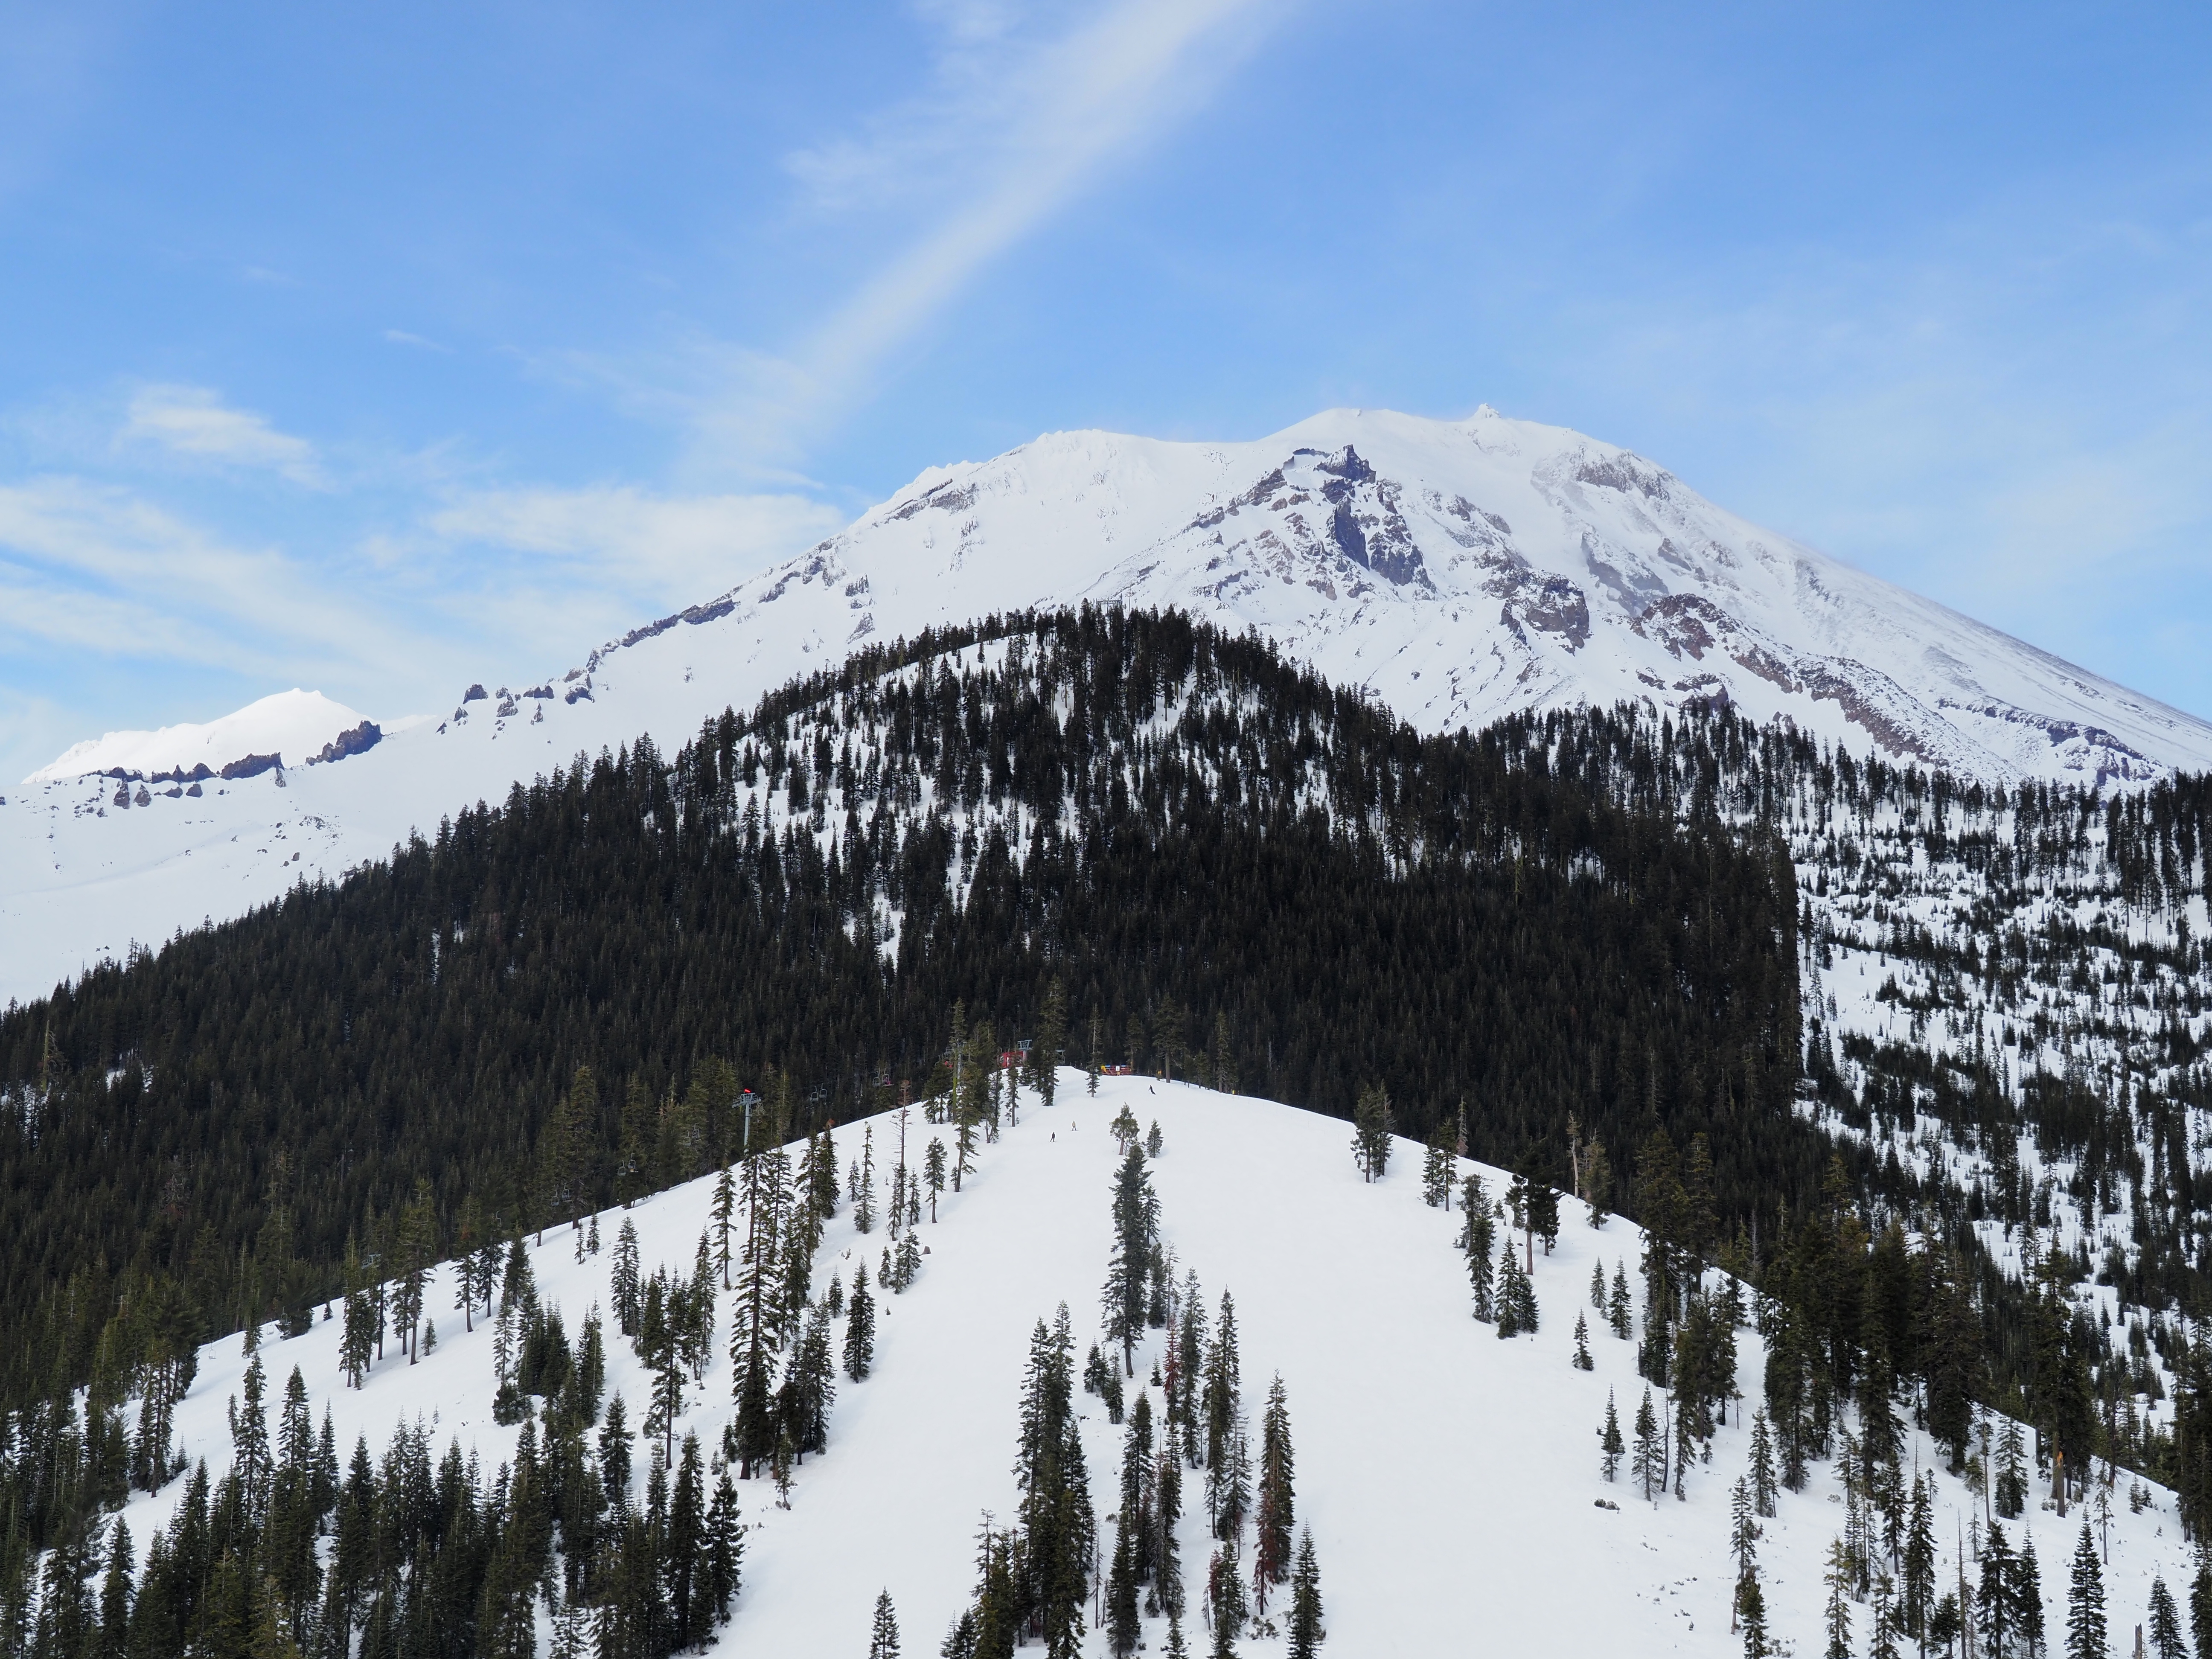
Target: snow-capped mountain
(1459,571)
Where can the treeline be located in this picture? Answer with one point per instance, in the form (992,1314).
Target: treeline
(1227,864)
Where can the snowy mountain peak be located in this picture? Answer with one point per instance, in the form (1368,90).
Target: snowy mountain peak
(293,726)
(1461,571)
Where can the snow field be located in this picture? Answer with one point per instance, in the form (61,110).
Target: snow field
(1450,1479)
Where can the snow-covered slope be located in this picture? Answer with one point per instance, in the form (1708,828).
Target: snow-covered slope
(1451,1479)
(1460,570)
(295,726)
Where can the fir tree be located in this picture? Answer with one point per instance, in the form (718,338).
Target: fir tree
(1751,1617)
(1371,1132)
(884,1634)
(1124,1625)
(1743,1528)
(1304,1623)
(2165,1638)
(1995,1600)
(1597,1288)
(1610,1445)
(1762,1484)
(932,1173)
(1619,1313)
(1647,1463)
(2085,1602)
(1583,1360)
(1047,1052)
(1476,1236)
(1438,1167)
(1136,1229)
(1836,1619)
(1271,1546)
(2027,1598)
(859,1327)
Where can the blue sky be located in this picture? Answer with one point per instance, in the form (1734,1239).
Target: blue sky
(382,352)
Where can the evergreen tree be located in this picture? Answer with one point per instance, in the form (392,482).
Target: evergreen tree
(1743,1528)
(883,1633)
(1610,1446)
(1371,1132)
(1136,1237)
(859,1327)
(1271,1547)
(1836,1619)
(1647,1462)
(1763,1483)
(2027,1598)
(1305,1630)
(1476,1236)
(1751,1617)
(2085,1602)
(1123,1626)
(1050,1048)
(2165,1638)
(1438,1166)
(1583,1360)
(1995,1600)
(932,1173)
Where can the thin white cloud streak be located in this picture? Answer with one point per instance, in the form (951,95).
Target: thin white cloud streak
(1016,131)
(132,579)
(195,422)
(676,548)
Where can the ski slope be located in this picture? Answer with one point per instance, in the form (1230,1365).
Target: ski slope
(1450,1479)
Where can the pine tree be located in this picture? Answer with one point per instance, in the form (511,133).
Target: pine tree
(1371,1132)
(1763,1483)
(2011,1494)
(1597,1288)
(1047,1052)
(1751,1617)
(2085,1602)
(1136,1231)
(1994,1600)
(1476,1236)
(859,1327)
(1609,1444)
(1438,1167)
(1271,1546)
(1583,1360)
(1882,1641)
(2165,1639)
(1620,1314)
(1743,1528)
(884,1634)
(932,1173)
(864,1183)
(1647,1463)
(1836,1619)
(1304,1623)
(2027,1598)
(1124,1625)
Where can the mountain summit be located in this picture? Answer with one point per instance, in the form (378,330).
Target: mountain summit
(1459,571)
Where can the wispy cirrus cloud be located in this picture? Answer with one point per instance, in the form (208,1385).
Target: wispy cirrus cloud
(196,422)
(671,549)
(97,566)
(1026,108)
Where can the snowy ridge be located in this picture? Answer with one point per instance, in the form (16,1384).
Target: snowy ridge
(1451,1479)
(295,726)
(1459,571)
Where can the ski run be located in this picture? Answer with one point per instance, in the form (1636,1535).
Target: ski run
(1450,1481)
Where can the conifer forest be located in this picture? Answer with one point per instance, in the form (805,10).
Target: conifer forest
(1848,1118)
